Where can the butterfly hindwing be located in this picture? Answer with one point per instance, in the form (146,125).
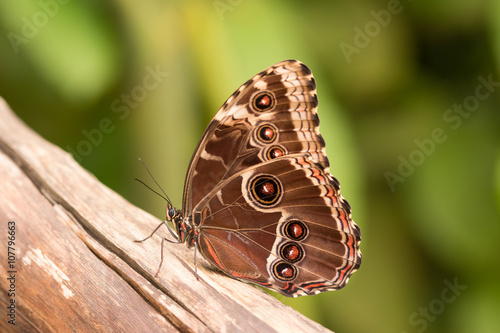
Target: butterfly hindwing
(282,224)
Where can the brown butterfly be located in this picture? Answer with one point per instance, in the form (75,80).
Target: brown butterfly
(259,201)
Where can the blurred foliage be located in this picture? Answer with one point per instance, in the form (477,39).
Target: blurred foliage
(388,72)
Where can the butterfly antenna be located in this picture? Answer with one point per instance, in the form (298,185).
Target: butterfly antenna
(149,188)
(164,196)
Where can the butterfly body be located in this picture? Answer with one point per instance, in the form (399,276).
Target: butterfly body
(259,201)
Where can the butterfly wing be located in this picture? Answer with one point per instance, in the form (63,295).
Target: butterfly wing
(259,193)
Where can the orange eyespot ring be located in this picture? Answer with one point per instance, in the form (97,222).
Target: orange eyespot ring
(295,230)
(291,252)
(275,152)
(266,190)
(284,271)
(263,101)
(267,133)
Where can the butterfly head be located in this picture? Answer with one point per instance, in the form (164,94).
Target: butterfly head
(172,213)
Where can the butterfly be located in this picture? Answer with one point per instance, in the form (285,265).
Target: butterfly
(259,201)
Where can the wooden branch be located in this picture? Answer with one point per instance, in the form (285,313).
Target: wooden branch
(76,268)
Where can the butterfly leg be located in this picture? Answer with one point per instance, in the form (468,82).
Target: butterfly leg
(161,257)
(154,231)
(196,264)
(162,242)
(161,254)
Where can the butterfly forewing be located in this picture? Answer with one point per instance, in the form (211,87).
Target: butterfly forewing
(234,139)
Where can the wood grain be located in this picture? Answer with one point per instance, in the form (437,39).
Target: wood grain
(78,268)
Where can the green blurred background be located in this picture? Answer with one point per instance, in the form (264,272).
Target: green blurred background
(423,177)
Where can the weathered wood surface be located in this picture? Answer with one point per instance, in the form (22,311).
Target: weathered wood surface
(78,269)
